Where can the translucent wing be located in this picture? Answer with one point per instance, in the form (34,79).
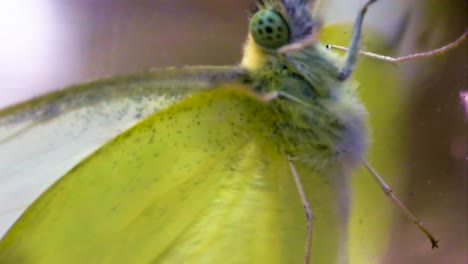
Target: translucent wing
(202,181)
(43,138)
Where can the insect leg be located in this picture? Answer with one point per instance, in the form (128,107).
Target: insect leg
(409,57)
(307,209)
(353,51)
(405,210)
(270,96)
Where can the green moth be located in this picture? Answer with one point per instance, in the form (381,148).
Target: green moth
(222,167)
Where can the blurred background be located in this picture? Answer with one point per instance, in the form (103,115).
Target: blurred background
(49,44)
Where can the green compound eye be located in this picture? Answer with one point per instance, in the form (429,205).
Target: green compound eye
(269,29)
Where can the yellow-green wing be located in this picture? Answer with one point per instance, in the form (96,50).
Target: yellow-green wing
(202,181)
(380,90)
(41,139)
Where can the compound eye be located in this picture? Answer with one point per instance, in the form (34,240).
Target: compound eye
(269,29)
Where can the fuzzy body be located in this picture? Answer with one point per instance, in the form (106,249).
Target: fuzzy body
(319,117)
(329,126)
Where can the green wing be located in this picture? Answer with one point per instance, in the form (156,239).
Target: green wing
(202,181)
(41,139)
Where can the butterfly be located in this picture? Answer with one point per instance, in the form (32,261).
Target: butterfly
(221,159)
